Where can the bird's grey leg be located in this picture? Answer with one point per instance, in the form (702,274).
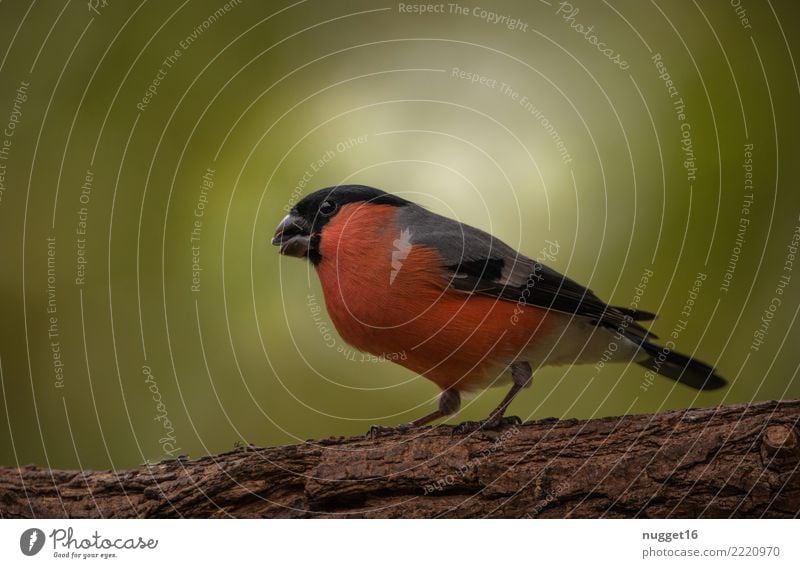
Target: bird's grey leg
(521,376)
(449,403)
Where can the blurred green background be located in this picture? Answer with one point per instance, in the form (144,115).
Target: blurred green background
(145,315)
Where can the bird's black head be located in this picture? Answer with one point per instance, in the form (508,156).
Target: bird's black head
(299,232)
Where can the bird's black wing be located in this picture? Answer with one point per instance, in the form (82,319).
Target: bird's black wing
(478,263)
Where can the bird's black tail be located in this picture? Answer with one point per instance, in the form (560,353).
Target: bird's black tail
(681,368)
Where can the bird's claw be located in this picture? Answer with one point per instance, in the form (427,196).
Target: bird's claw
(376,431)
(510,421)
(490,423)
(467,427)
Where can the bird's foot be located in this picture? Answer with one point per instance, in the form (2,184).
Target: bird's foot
(491,423)
(376,431)
(510,421)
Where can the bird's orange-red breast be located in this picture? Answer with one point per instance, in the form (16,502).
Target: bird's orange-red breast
(404,309)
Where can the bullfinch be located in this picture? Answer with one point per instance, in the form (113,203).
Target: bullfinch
(456,305)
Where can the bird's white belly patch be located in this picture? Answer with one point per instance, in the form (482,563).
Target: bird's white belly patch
(574,341)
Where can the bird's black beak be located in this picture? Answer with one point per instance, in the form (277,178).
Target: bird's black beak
(293,236)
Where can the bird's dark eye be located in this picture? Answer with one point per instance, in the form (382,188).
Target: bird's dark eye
(328,208)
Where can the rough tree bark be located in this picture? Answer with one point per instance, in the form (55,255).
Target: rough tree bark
(739,461)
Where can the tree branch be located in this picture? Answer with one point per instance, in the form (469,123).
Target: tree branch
(739,461)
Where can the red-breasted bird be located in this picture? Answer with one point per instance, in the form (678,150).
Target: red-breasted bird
(456,305)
